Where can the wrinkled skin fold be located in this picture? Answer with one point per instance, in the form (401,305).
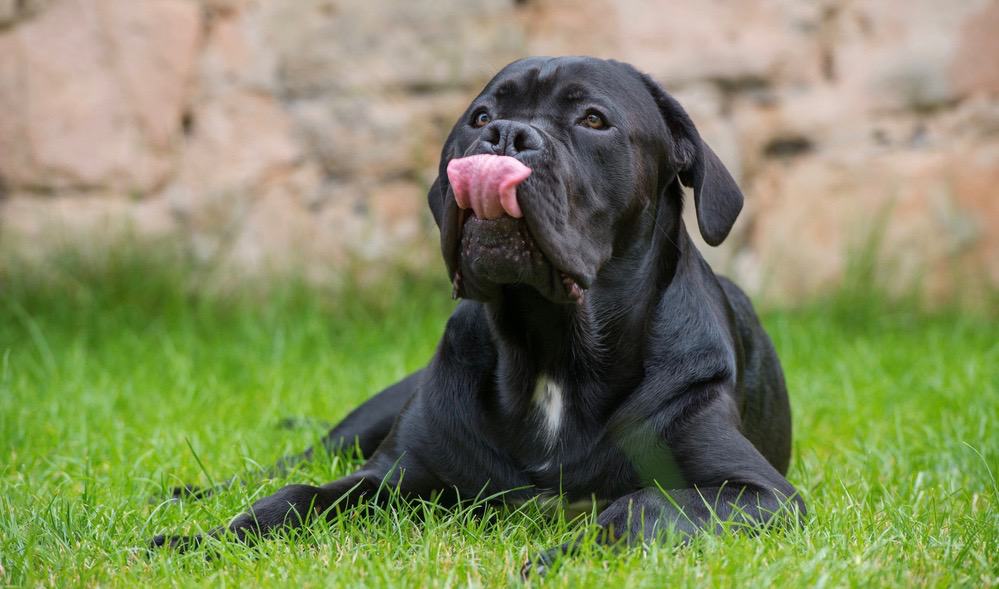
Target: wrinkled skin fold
(594,353)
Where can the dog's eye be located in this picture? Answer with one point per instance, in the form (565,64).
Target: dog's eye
(594,121)
(481,120)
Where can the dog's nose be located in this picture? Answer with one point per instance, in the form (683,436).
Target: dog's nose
(510,138)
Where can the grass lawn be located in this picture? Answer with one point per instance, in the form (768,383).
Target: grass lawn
(117,383)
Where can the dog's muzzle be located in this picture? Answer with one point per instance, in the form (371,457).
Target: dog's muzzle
(496,246)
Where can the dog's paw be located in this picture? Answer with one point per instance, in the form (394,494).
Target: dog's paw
(185,493)
(178,543)
(189,492)
(541,563)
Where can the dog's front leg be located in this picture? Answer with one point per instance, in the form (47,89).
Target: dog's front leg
(730,482)
(367,426)
(292,506)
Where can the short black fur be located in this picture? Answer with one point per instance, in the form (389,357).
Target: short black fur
(659,378)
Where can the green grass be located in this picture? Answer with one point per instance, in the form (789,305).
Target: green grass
(118,380)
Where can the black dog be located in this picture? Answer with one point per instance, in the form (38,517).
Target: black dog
(595,354)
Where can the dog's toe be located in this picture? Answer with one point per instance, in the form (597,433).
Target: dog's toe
(540,564)
(190,493)
(187,492)
(533,568)
(179,543)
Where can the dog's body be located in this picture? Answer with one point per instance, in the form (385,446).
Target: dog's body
(596,355)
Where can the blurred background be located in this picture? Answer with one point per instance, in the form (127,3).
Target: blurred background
(266,135)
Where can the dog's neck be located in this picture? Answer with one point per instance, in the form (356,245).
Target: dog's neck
(603,338)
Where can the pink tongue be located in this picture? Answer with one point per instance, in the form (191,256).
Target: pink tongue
(487,184)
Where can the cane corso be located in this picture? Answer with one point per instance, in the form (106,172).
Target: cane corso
(594,356)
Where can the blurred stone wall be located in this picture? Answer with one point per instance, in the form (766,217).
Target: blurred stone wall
(271,133)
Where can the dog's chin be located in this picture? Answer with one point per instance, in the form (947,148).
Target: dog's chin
(501,252)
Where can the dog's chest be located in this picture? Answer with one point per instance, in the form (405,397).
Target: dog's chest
(548,404)
(558,442)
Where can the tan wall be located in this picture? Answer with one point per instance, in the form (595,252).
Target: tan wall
(306,131)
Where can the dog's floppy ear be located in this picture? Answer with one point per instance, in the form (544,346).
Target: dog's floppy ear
(717,198)
(445,213)
(435,198)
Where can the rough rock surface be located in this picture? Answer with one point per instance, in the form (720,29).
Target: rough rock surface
(277,133)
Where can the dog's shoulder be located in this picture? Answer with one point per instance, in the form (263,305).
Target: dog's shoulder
(691,331)
(737,300)
(747,327)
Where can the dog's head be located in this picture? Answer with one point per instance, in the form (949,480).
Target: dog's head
(579,149)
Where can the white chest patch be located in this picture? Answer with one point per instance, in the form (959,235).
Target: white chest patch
(549,401)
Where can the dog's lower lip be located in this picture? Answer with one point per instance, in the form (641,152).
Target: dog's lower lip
(572,288)
(571,283)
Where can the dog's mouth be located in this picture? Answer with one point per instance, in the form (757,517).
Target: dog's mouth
(501,251)
(495,246)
